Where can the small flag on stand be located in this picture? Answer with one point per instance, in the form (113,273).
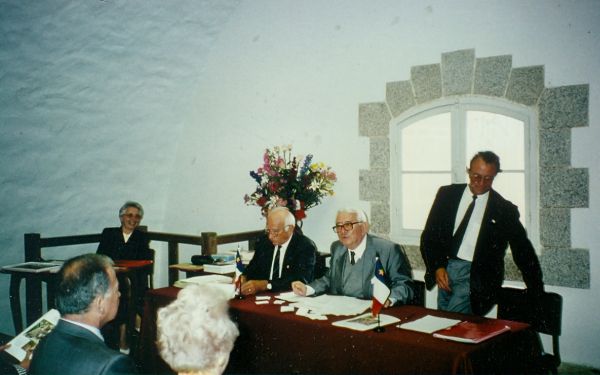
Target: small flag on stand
(381,292)
(239,269)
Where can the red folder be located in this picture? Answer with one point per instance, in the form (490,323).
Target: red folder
(473,333)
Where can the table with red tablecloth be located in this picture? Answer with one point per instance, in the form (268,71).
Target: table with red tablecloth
(272,342)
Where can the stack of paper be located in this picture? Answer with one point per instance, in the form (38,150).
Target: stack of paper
(429,324)
(222,282)
(327,304)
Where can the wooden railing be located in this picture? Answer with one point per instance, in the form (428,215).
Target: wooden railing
(208,241)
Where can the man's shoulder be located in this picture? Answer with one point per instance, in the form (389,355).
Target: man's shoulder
(380,242)
(303,241)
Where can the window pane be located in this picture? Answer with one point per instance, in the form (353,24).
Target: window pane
(426,144)
(501,134)
(418,193)
(512,187)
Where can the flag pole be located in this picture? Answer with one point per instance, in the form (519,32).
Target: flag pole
(379,328)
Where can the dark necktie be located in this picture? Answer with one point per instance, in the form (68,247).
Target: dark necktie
(352,261)
(460,231)
(276,264)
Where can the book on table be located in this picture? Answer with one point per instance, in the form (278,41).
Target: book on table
(34,267)
(29,338)
(220,268)
(366,322)
(473,332)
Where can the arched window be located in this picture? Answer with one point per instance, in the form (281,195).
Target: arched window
(432,145)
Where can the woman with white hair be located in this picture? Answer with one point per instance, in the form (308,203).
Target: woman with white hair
(195,333)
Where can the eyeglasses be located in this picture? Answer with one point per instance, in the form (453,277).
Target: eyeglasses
(276,232)
(347,226)
(478,178)
(133,216)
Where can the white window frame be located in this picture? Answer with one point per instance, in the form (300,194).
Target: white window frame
(458,106)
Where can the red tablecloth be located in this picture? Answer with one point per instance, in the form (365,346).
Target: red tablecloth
(272,342)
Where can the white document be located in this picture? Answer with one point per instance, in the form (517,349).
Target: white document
(333,305)
(204,279)
(29,338)
(289,297)
(366,322)
(429,324)
(225,283)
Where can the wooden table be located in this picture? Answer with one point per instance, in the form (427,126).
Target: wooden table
(272,342)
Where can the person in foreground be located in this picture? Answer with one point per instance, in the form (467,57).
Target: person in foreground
(352,263)
(195,333)
(87,297)
(466,261)
(282,256)
(126,242)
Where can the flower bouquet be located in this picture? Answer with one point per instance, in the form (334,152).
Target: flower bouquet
(290,181)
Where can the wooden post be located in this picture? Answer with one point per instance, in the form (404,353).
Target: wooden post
(209,243)
(33,285)
(173,259)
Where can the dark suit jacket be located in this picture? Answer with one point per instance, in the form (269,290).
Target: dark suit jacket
(72,350)
(499,228)
(397,269)
(113,245)
(298,263)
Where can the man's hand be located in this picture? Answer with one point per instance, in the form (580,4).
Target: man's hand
(441,278)
(254,286)
(299,288)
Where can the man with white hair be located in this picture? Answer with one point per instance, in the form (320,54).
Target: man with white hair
(281,256)
(352,263)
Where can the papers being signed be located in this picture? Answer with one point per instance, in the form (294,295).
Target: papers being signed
(327,304)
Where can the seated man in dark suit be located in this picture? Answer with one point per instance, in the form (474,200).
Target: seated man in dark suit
(353,263)
(282,256)
(87,297)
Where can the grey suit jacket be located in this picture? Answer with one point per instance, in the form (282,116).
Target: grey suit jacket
(395,264)
(72,350)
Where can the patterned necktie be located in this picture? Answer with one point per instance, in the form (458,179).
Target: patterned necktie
(460,231)
(352,261)
(276,264)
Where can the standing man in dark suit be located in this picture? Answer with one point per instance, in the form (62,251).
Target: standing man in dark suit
(282,256)
(465,239)
(87,297)
(353,263)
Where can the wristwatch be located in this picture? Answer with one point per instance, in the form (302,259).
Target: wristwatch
(269,286)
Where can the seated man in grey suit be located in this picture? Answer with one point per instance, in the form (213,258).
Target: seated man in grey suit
(352,263)
(87,298)
(283,255)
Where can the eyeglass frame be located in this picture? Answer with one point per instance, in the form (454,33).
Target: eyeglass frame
(345,225)
(278,231)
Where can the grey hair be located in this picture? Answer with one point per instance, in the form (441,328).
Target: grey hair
(289,216)
(81,280)
(360,214)
(195,333)
(128,204)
